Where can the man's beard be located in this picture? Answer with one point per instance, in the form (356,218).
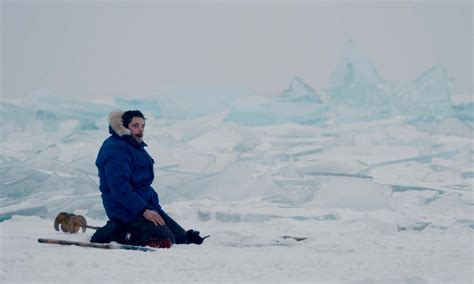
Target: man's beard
(138,137)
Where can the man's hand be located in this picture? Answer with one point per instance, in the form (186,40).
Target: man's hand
(154,217)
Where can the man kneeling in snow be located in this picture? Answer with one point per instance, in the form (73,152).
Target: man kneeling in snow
(132,205)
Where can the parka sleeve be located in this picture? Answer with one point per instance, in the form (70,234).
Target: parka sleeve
(118,172)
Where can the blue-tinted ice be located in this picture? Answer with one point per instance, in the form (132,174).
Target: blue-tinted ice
(228,143)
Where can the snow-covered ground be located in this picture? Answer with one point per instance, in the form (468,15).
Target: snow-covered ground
(378,177)
(364,248)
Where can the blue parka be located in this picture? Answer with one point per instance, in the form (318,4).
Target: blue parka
(126,174)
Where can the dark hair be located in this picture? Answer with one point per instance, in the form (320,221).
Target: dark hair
(129,115)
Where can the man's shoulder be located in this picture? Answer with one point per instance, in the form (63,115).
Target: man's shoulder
(112,147)
(114,143)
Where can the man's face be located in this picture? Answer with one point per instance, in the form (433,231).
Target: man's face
(137,128)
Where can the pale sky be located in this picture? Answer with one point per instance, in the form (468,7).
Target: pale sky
(133,49)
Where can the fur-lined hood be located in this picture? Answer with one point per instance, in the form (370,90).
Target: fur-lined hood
(116,123)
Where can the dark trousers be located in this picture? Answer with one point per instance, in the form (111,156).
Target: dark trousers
(140,231)
(178,232)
